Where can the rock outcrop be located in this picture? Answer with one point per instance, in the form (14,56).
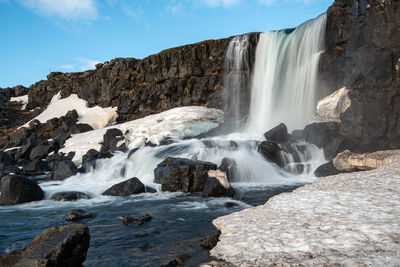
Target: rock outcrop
(363,54)
(58,246)
(348,161)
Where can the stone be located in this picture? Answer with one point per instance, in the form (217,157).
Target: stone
(64,169)
(211,241)
(214,188)
(126,188)
(326,169)
(92,154)
(277,134)
(40,151)
(348,161)
(229,166)
(272,151)
(61,138)
(17,189)
(77,214)
(81,128)
(137,220)
(57,246)
(111,139)
(88,165)
(150,189)
(35,166)
(18,137)
(182,175)
(69,196)
(330,107)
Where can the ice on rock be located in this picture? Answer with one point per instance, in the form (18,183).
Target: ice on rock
(175,123)
(97,117)
(340,219)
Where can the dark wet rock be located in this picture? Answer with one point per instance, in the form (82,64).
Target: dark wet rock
(61,138)
(18,137)
(77,214)
(150,189)
(29,145)
(69,196)
(297,168)
(88,165)
(91,154)
(272,152)
(35,166)
(81,128)
(34,124)
(111,139)
(229,166)
(326,169)
(209,143)
(64,169)
(17,189)
(182,175)
(178,260)
(70,155)
(144,246)
(231,205)
(277,134)
(126,188)
(213,188)
(104,152)
(137,220)
(211,241)
(5,159)
(58,246)
(40,151)
(9,169)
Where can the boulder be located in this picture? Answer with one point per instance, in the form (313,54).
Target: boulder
(277,134)
(58,246)
(111,139)
(77,214)
(137,220)
(69,196)
(64,169)
(182,175)
(18,137)
(326,169)
(126,188)
(229,166)
(40,151)
(150,189)
(330,107)
(35,166)
(81,128)
(348,161)
(17,189)
(211,241)
(217,185)
(272,151)
(5,159)
(92,154)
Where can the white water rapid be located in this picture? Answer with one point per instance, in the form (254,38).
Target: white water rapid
(285,77)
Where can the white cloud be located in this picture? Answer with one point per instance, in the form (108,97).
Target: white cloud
(217,3)
(86,63)
(67,67)
(64,9)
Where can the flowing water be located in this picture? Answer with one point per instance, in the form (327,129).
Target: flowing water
(180,221)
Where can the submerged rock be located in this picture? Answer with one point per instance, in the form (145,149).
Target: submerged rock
(182,175)
(126,188)
(137,220)
(69,196)
(18,189)
(77,214)
(58,246)
(211,241)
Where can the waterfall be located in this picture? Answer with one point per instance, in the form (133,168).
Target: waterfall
(285,77)
(236,66)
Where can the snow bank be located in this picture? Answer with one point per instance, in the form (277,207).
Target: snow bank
(175,123)
(22,99)
(348,219)
(97,117)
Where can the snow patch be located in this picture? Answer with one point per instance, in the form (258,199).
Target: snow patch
(22,99)
(176,123)
(97,117)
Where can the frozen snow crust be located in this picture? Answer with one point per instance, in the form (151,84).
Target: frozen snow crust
(97,117)
(348,219)
(175,123)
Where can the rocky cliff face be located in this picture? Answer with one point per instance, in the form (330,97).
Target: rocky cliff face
(363,54)
(182,76)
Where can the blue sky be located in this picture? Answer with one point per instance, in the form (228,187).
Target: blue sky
(39,36)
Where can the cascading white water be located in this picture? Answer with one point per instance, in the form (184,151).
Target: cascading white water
(236,66)
(285,77)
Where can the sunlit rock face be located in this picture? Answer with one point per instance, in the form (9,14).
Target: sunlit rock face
(329,108)
(348,161)
(362,54)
